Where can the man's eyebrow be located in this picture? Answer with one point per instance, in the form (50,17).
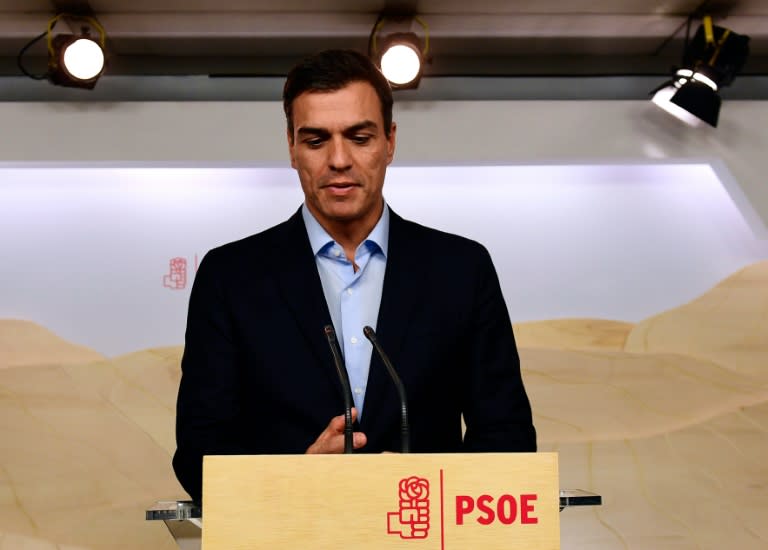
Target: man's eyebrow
(304,130)
(364,125)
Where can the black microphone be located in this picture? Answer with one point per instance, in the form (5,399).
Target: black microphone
(341,370)
(405,427)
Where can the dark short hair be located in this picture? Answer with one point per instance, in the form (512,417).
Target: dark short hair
(332,70)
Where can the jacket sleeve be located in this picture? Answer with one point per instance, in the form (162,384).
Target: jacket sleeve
(496,408)
(208,400)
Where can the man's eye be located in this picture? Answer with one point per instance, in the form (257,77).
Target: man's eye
(361,139)
(314,142)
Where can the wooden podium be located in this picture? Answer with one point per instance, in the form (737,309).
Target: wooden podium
(386,501)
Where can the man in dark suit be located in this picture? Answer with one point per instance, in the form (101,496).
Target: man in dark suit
(257,373)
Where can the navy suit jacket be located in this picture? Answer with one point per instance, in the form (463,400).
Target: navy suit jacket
(258,376)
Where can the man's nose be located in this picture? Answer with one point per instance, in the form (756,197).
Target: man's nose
(339,157)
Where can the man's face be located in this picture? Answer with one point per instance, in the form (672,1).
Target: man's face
(341,152)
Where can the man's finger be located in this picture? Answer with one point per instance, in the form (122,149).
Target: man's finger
(331,440)
(338,423)
(359,440)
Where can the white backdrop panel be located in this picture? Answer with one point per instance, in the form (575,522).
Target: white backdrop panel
(86,251)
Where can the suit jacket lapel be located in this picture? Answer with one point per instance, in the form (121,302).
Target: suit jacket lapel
(299,283)
(295,272)
(398,299)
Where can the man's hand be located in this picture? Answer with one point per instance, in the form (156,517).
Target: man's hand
(331,441)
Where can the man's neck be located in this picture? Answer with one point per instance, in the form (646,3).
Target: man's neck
(349,235)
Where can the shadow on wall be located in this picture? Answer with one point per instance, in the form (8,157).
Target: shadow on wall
(667,419)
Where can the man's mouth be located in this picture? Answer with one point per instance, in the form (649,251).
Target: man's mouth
(340,189)
(341,184)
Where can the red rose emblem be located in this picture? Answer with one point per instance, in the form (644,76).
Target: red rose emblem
(414,488)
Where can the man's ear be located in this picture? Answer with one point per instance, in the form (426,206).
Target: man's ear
(391,142)
(291,148)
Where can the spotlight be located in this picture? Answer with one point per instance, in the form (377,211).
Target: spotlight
(710,61)
(74,60)
(691,97)
(401,59)
(400,56)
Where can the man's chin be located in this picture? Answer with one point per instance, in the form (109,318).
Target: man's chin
(341,212)
(344,216)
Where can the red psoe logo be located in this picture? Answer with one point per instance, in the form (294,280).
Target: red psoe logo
(176,278)
(412,519)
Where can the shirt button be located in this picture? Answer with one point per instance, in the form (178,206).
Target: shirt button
(336,252)
(349,291)
(353,340)
(358,391)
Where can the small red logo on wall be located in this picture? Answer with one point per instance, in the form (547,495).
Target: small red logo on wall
(177,274)
(411,521)
(176,278)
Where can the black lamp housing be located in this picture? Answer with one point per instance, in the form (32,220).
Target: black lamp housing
(708,65)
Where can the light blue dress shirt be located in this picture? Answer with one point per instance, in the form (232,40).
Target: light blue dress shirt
(353,298)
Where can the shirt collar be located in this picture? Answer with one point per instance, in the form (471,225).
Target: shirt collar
(319,237)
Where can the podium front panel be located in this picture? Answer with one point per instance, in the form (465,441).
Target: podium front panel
(387,501)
